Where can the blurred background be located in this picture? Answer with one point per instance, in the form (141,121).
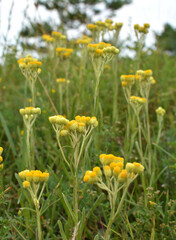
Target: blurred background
(23,22)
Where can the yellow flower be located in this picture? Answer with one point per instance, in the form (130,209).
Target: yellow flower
(122,176)
(160,111)
(26,184)
(1,150)
(107,171)
(152,203)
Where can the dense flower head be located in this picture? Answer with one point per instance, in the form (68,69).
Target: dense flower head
(56,34)
(84,41)
(145,77)
(160,111)
(142,29)
(80,124)
(62,80)
(30,110)
(92,27)
(47,38)
(87,120)
(35,176)
(29,63)
(127,80)
(137,100)
(114,170)
(63,52)
(58,120)
(107,159)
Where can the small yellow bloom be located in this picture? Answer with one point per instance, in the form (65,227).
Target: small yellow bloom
(152,203)
(107,171)
(26,184)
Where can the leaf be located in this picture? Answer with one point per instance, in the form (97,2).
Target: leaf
(6,129)
(94,206)
(69,209)
(62,230)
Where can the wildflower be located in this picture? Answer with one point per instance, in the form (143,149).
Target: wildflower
(160,111)
(138,168)
(26,184)
(152,203)
(35,176)
(107,171)
(122,176)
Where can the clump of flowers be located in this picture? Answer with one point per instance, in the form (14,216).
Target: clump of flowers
(100,55)
(145,80)
(137,103)
(1,159)
(47,38)
(78,131)
(127,82)
(64,53)
(115,178)
(140,32)
(30,68)
(35,181)
(29,116)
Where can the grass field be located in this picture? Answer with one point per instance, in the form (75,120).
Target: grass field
(110,172)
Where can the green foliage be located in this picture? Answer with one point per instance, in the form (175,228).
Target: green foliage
(166,40)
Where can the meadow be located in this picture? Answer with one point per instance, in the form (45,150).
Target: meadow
(87,139)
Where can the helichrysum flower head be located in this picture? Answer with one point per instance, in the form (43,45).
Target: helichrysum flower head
(137,100)
(160,111)
(107,171)
(29,67)
(141,29)
(84,41)
(26,184)
(35,176)
(90,177)
(47,38)
(127,80)
(59,120)
(62,80)
(107,159)
(30,111)
(92,27)
(138,168)
(64,53)
(1,150)
(122,177)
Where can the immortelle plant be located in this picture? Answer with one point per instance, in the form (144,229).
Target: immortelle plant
(78,132)
(115,182)
(35,181)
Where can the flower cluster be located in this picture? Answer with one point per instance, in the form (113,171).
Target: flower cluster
(30,67)
(29,115)
(141,29)
(127,80)
(64,53)
(62,80)
(113,170)
(47,38)
(81,124)
(145,80)
(35,176)
(160,111)
(1,159)
(84,41)
(100,55)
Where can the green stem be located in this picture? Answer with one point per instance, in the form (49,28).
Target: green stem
(39,229)
(28,162)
